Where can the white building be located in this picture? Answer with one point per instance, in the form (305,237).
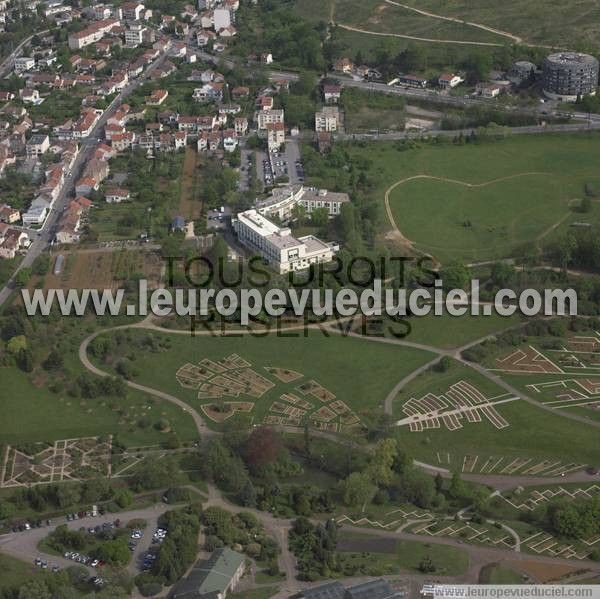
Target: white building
(134,35)
(266,117)
(24,63)
(282,200)
(278,246)
(37,145)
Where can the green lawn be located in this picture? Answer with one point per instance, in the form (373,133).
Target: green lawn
(359,372)
(497,574)
(407,557)
(261,593)
(566,25)
(14,572)
(452,331)
(33,413)
(533,433)
(381,17)
(479,223)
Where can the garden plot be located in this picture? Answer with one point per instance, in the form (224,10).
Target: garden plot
(233,377)
(460,400)
(66,459)
(523,466)
(535,498)
(544,543)
(528,360)
(474,533)
(569,393)
(391,520)
(283,375)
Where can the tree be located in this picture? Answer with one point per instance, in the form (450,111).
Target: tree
(439,483)
(34,589)
(380,467)
(319,217)
(22,277)
(54,361)
(503,274)
(358,489)
(456,490)
(454,275)
(263,448)
(16,344)
(114,552)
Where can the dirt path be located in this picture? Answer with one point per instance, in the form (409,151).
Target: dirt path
(419,39)
(514,38)
(189,206)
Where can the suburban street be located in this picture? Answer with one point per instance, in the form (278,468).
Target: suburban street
(45,236)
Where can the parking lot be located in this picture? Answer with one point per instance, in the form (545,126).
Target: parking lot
(23,544)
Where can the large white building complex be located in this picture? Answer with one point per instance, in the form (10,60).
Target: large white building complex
(278,246)
(282,200)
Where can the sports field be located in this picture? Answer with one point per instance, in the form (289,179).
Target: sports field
(327,379)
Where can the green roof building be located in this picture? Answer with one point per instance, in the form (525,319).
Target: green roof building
(212,578)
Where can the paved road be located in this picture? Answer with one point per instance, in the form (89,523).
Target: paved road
(46,235)
(9,62)
(24,545)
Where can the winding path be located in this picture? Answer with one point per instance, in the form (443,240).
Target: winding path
(396,230)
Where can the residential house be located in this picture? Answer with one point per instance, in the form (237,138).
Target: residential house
(116,195)
(37,145)
(209,92)
(157,97)
(85,186)
(205,37)
(332,93)
(123,141)
(275,136)
(449,80)
(9,215)
(132,11)
(24,63)
(230,141)
(240,125)
(488,90)
(343,65)
(11,241)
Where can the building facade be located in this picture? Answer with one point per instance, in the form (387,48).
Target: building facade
(569,75)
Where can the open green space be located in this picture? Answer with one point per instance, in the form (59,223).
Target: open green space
(497,220)
(14,572)
(497,574)
(383,17)
(33,413)
(532,432)
(454,331)
(259,593)
(407,556)
(359,372)
(564,25)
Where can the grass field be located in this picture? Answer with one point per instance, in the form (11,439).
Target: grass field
(497,574)
(399,556)
(359,372)
(33,413)
(14,573)
(383,17)
(533,433)
(492,221)
(451,331)
(561,24)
